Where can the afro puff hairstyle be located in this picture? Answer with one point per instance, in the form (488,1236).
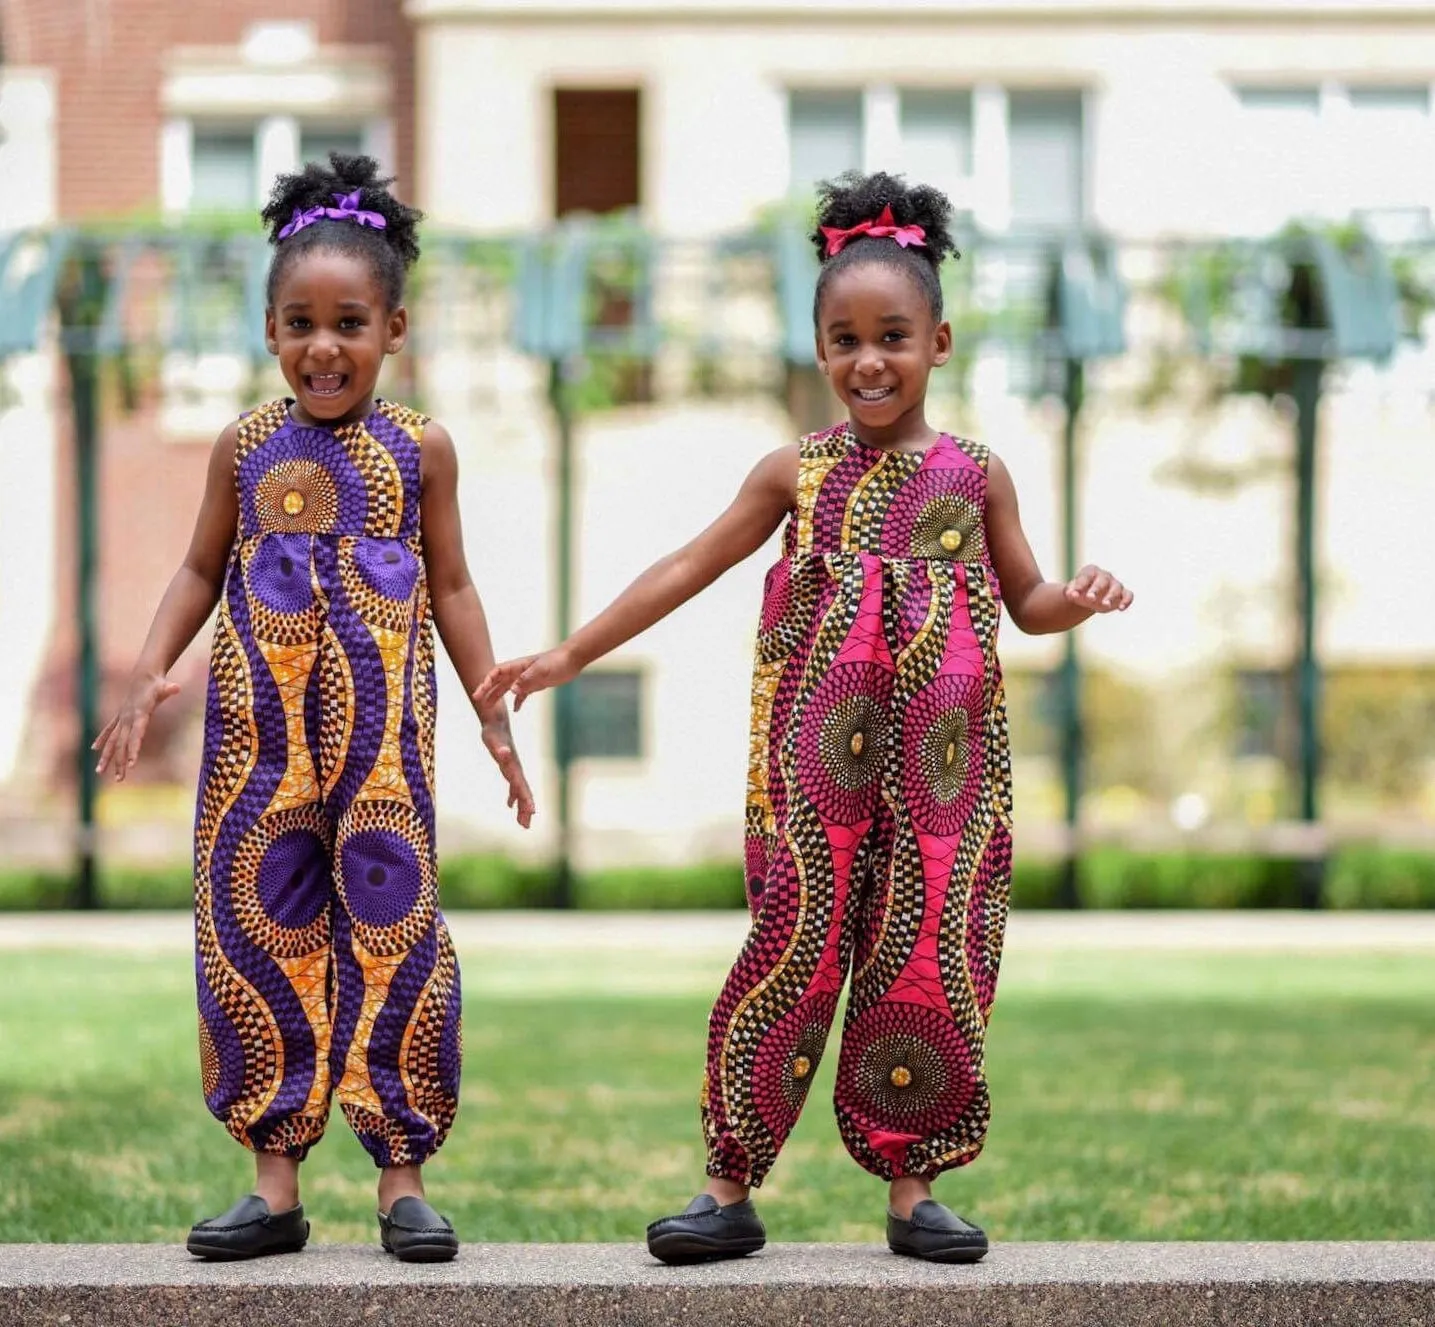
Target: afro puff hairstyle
(853,198)
(390,252)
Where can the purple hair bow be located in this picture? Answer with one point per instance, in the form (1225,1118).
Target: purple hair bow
(348,210)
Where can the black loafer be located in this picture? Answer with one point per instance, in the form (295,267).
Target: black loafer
(248,1230)
(705,1232)
(936,1234)
(413,1232)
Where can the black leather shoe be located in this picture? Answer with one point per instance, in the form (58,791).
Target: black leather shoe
(935,1233)
(705,1232)
(248,1230)
(413,1232)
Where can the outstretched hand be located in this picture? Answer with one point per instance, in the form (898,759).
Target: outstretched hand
(499,741)
(120,740)
(1098,591)
(522,677)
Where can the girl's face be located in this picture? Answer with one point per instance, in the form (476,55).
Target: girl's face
(877,341)
(331,327)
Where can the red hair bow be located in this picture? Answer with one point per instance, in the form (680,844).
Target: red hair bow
(885,227)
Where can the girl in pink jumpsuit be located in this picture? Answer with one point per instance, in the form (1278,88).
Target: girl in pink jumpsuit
(879,792)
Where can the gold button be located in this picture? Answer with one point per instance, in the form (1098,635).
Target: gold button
(951,540)
(857,743)
(901,1076)
(951,754)
(293,502)
(801,1067)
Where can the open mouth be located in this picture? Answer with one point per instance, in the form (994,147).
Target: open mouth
(874,394)
(326,384)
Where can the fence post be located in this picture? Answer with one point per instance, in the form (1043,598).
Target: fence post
(82,304)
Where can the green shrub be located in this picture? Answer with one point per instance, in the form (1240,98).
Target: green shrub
(1369,876)
(1357,876)
(1036,884)
(34,891)
(489,881)
(709,885)
(138,888)
(1120,878)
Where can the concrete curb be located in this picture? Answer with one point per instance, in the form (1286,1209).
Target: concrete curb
(590,1285)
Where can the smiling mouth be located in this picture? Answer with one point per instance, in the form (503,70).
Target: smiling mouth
(326,384)
(875,394)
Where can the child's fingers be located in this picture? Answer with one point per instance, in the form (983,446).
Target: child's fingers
(1081,582)
(525,803)
(136,740)
(529,681)
(113,756)
(1126,599)
(497,681)
(1100,584)
(104,733)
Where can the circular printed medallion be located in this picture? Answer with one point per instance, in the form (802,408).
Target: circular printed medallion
(906,1068)
(388,566)
(942,752)
(385,875)
(842,742)
(937,514)
(786,1062)
(278,574)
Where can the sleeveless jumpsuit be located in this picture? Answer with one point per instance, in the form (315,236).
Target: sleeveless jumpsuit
(878,819)
(323,964)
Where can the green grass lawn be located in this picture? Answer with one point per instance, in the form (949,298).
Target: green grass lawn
(1136,1097)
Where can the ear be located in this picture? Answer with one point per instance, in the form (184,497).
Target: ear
(271,331)
(398,330)
(941,344)
(821,353)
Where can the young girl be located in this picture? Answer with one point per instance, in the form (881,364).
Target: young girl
(330,527)
(878,804)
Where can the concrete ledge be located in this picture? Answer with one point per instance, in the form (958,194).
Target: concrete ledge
(836,1285)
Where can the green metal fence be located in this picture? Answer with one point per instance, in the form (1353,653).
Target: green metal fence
(599,301)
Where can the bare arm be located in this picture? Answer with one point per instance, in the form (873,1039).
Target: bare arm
(766,496)
(1039,606)
(457,609)
(187,603)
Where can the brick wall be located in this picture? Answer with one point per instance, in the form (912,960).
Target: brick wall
(108,57)
(109,54)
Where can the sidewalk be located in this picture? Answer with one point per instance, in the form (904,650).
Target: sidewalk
(593,1285)
(720,933)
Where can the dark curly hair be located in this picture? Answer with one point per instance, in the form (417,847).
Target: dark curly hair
(853,198)
(390,252)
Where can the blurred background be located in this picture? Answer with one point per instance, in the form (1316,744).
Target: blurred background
(1192,315)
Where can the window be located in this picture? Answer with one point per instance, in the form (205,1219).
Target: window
(1331,151)
(1280,169)
(1387,156)
(1295,104)
(936,128)
(1048,160)
(607,714)
(223,170)
(825,134)
(997,154)
(316,142)
(1392,102)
